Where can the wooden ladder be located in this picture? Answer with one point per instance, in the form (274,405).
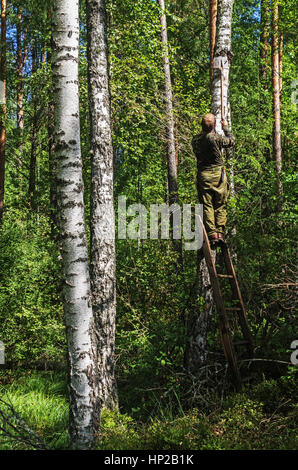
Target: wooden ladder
(238,308)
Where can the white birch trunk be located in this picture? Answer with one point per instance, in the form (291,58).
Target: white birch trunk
(223,50)
(103,282)
(84,405)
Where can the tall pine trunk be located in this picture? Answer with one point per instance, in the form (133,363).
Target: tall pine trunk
(212,35)
(103,282)
(277,150)
(199,320)
(83,389)
(2,104)
(281,57)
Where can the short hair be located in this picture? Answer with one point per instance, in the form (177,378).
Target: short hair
(208,122)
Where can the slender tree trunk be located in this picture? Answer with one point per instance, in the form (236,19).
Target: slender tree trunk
(20,93)
(51,146)
(103,282)
(281,50)
(52,167)
(222,50)
(32,169)
(277,150)
(265,47)
(199,320)
(52,164)
(170,133)
(212,34)
(2,104)
(172,154)
(264,73)
(83,388)
(220,85)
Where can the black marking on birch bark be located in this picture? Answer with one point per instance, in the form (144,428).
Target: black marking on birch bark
(76,164)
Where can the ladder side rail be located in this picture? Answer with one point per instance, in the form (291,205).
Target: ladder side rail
(237,296)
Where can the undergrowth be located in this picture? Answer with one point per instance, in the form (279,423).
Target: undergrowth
(262,416)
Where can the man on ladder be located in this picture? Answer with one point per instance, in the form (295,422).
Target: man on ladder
(212,184)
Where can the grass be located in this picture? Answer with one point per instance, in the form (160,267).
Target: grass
(41,400)
(262,416)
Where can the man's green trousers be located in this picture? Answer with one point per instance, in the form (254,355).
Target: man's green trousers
(213,191)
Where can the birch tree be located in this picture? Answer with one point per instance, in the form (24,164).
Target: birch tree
(2,104)
(84,402)
(222,50)
(103,281)
(220,84)
(198,324)
(276,95)
(20,91)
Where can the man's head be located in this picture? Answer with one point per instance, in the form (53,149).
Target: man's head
(208,122)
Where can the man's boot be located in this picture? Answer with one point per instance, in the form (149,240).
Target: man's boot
(221,238)
(213,239)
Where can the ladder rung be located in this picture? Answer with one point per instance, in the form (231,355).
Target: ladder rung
(234,309)
(227,276)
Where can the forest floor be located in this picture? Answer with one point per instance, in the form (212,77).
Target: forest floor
(263,415)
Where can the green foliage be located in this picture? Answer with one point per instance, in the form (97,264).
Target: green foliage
(30,306)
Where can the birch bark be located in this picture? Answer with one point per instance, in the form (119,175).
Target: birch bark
(222,50)
(103,282)
(84,403)
(20,92)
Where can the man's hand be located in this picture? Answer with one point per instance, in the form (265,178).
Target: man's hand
(224,123)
